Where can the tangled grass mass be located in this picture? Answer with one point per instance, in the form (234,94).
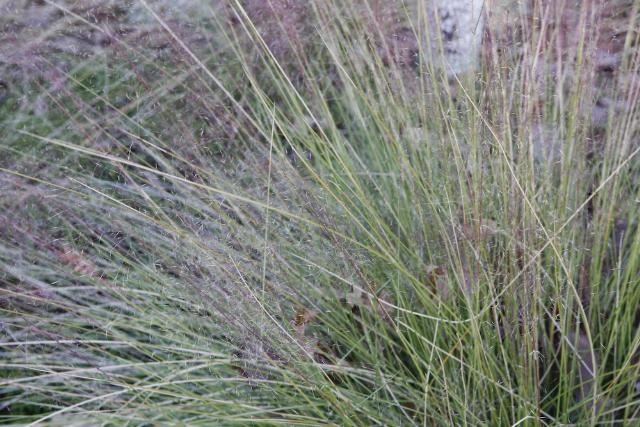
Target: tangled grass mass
(336,212)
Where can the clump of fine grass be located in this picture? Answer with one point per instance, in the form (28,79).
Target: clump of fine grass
(297,227)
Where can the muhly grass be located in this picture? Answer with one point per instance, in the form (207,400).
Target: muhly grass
(291,224)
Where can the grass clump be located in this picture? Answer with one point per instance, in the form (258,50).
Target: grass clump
(307,219)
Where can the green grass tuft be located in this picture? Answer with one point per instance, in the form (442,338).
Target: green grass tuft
(281,220)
